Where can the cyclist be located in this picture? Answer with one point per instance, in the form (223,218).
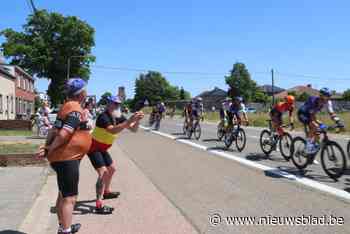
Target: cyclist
(278,110)
(236,107)
(307,115)
(108,125)
(225,113)
(187,113)
(196,110)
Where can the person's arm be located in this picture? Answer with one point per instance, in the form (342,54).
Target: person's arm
(64,134)
(115,129)
(291,118)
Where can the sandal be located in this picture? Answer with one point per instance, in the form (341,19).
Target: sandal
(111,195)
(104,210)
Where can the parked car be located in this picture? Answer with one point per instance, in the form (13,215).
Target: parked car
(250,110)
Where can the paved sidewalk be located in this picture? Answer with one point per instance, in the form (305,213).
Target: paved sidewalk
(19,187)
(141,208)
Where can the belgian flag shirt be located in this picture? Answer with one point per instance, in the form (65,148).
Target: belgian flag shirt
(102,140)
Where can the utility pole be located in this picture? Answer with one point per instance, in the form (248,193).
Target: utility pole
(33,6)
(273,87)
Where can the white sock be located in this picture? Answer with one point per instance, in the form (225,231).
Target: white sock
(68,230)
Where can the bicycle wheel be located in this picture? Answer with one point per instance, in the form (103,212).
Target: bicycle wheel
(189,132)
(184,128)
(220,132)
(241,140)
(299,157)
(228,139)
(333,159)
(285,145)
(197,131)
(265,142)
(348,149)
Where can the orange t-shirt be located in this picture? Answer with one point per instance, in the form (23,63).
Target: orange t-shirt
(283,107)
(80,141)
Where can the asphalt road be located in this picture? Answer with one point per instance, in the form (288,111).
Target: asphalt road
(253,152)
(201,184)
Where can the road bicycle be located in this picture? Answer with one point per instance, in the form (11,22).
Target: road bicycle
(235,134)
(195,129)
(269,139)
(333,158)
(155,119)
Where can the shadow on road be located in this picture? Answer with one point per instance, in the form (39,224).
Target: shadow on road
(177,134)
(182,138)
(81,208)
(309,174)
(11,232)
(211,140)
(221,148)
(256,157)
(347,190)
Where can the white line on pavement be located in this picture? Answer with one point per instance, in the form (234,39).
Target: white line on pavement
(302,180)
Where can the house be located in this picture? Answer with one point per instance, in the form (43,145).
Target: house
(267,89)
(24,91)
(7,95)
(298,90)
(213,98)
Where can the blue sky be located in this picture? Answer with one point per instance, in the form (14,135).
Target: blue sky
(293,37)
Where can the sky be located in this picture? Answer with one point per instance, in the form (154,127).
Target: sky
(305,42)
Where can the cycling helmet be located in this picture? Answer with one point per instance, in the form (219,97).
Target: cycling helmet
(113,99)
(240,99)
(228,99)
(199,99)
(326,92)
(74,86)
(290,99)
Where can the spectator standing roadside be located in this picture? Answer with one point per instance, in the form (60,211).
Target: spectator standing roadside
(66,145)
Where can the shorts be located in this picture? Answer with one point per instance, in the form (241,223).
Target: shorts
(100,159)
(67,177)
(236,114)
(304,117)
(276,116)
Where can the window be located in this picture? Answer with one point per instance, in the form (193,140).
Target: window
(19,82)
(1,107)
(12,104)
(7,105)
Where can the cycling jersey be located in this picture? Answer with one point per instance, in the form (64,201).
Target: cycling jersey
(236,108)
(283,107)
(102,140)
(314,105)
(70,118)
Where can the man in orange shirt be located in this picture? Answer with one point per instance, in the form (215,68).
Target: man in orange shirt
(71,141)
(277,113)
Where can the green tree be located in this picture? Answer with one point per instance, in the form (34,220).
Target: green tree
(103,100)
(293,93)
(303,97)
(154,87)
(241,83)
(44,46)
(346,95)
(182,94)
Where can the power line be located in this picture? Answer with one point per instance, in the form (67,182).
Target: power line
(314,77)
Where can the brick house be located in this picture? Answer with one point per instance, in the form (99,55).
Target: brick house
(7,95)
(24,92)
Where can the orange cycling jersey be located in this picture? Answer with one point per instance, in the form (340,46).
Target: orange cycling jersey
(78,144)
(283,107)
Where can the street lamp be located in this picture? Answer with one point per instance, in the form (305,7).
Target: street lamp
(68,62)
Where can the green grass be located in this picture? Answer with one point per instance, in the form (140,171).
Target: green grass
(15,133)
(12,148)
(260,119)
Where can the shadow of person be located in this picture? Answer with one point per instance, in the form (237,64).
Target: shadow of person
(11,232)
(81,207)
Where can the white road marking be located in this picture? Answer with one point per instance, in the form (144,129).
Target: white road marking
(299,179)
